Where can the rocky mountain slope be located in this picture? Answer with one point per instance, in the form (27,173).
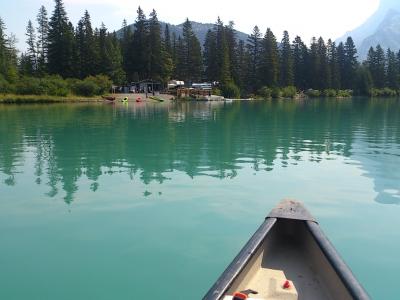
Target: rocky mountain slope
(383,28)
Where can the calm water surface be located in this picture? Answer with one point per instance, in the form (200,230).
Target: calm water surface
(152,201)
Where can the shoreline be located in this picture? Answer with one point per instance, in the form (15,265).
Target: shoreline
(47,99)
(159,98)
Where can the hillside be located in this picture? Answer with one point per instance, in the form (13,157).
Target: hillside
(200,29)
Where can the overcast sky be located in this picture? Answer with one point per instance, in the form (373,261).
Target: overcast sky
(307,18)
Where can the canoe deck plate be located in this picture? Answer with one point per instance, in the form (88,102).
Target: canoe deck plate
(291,209)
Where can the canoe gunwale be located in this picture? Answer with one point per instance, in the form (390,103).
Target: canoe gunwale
(342,270)
(240,261)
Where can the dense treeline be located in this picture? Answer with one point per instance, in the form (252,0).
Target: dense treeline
(56,50)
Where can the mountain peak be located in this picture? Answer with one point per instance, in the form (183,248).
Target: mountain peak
(387,34)
(200,29)
(383,28)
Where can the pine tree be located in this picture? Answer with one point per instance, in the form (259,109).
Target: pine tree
(333,65)
(42,40)
(341,57)
(12,58)
(60,42)
(167,40)
(167,65)
(110,57)
(300,63)
(376,65)
(74,71)
(254,50)
(210,56)
(193,66)
(126,47)
(25,65)
(3,48)
(315,64)
(219,46)
(31,62)
(269,62)
(117,73)
(243,64)
(370,63)
(286,61)
(324,74)
(181,58)
(105,63)
(140,53)
(79,50)
(220,57)
(398,62)
(8,55)
(174,56)
(392,71)
(155,48)
(87,47)
(351,63)
(222,60)
(225,76)
(231,41)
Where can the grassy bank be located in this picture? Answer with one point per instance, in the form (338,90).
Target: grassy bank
(26,99)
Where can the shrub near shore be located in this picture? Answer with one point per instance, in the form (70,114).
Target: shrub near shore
(275,92)
(385,92)
(291,92)
(56,86)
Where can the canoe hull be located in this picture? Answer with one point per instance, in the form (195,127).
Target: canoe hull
(297,247)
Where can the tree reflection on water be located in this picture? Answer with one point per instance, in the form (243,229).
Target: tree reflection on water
(149,141)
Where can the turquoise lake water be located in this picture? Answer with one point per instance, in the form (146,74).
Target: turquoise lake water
(152,201)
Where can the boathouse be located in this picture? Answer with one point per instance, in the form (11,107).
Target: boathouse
(147,86)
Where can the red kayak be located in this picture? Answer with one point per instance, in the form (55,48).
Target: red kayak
(138,99)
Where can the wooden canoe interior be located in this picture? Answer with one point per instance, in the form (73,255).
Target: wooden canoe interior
(291,248)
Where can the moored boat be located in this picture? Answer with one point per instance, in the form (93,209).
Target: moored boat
(156,98)
(287,258)
(108,98)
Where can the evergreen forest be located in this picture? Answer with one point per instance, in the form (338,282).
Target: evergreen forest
(62,59)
